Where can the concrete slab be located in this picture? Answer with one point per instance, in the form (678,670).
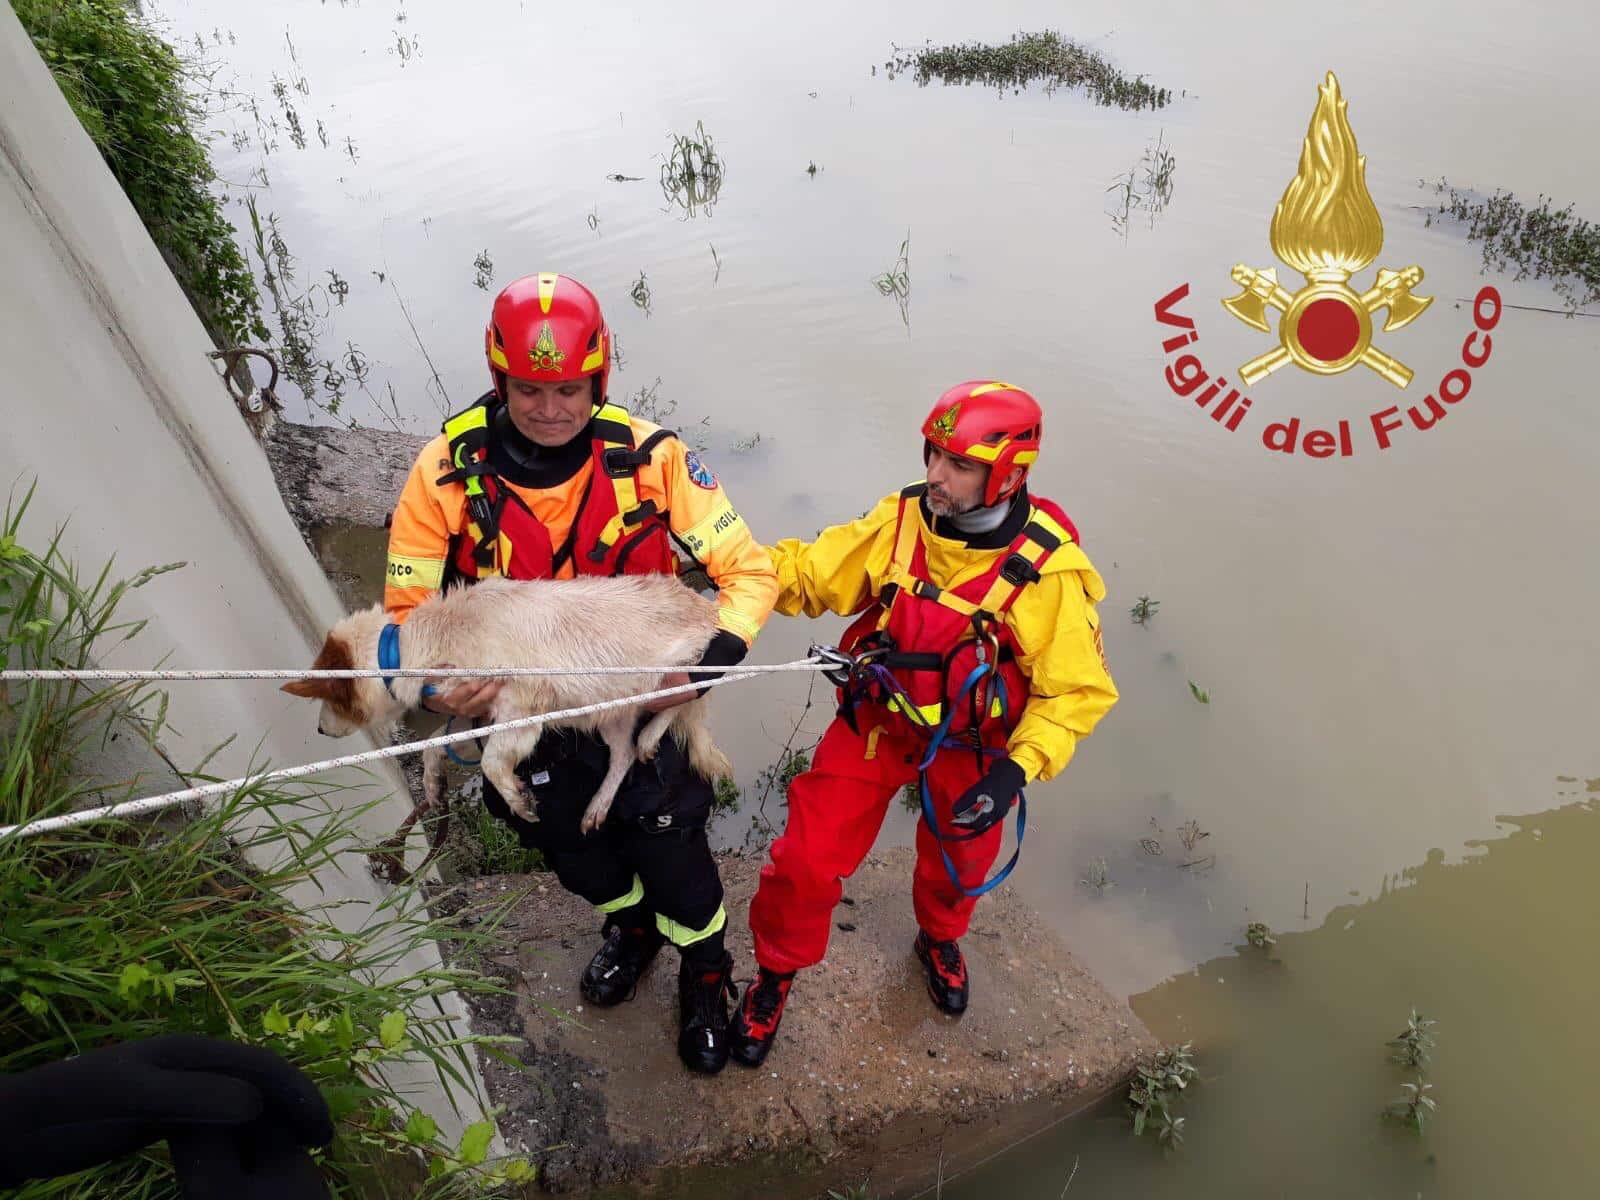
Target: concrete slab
(866,1074)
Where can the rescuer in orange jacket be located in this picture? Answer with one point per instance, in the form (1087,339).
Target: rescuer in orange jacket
(978,669)
(545,478)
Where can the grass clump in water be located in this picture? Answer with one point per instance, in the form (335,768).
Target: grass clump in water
(1538,240)
(1044,57)
(692,172)
(132,93)
(1156,1085)
(118,931)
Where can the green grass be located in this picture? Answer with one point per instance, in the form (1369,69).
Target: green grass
(139,101)
(114,931)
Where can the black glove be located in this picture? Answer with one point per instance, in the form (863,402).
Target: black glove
(70,1115)
(726,650)
(986,802)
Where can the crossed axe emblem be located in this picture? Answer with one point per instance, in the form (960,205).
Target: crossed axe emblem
(1326,326)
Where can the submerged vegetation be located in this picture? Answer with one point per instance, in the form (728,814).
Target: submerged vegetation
(692,172)
(1413,1048)
(1541,241)
(132,93)
(214,944)
(1147,186)
(896,281)
(1157,1084)
(1046,58)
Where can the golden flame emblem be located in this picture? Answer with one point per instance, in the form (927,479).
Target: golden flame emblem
(546,355)
(1327,228)
(944,428)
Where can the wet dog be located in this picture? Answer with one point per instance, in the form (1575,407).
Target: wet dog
(572,623)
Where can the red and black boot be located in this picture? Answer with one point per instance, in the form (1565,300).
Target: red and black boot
(947,973)
(612,975)
(755,1025)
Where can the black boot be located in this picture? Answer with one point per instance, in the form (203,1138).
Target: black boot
(612,975)
(756,1023)
(947,973)
(703,996)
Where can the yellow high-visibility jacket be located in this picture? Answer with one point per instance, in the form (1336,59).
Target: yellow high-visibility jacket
(703,521)
(1053,620)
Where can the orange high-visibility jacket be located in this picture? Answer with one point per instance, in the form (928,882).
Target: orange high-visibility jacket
(703,521)
(1053,620)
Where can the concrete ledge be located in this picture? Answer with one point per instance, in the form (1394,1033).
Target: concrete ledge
(866,1074)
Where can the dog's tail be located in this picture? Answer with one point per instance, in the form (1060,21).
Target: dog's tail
(708,762)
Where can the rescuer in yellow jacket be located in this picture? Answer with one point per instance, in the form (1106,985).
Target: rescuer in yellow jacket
(978,668)
(545,478)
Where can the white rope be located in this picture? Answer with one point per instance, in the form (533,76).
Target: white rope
(109,676)
(130,808)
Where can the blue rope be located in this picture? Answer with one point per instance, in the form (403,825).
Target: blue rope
(936,743)
(456,758)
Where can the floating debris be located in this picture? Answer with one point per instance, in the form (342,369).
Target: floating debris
(1045,57)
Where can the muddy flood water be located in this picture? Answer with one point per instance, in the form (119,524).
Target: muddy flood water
(1395,766)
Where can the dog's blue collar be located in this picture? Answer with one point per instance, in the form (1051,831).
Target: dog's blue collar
(389,653)
(389,659)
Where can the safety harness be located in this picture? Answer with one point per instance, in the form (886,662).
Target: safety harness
(612,533)
(958,683)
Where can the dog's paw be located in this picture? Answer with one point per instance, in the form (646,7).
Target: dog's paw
(593,818)
(525,804)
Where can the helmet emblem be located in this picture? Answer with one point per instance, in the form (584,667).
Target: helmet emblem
(545,356)
(945,427)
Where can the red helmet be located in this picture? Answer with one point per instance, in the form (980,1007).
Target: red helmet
(548,327)
(990,423)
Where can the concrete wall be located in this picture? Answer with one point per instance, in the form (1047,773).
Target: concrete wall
(109,399)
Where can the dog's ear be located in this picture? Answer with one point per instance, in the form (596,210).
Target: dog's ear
(339,693)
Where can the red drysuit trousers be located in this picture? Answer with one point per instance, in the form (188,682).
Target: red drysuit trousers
(835,811)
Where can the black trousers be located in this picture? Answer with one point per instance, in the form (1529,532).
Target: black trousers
(650,864)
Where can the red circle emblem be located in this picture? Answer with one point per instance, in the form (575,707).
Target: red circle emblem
(1328,329)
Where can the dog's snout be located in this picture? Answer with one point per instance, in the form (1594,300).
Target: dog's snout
(323,731)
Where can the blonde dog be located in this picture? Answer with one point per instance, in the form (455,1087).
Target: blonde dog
(625,621)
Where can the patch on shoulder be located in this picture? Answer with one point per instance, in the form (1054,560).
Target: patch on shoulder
(699,474)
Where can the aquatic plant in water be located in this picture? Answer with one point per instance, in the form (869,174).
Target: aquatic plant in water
(1044,57)
(1156,1085)
(1542,241)
(692,172)
(1414,1046)
(1413,1107)
(1147,185)
(896,281)
(1143,610)
(640,292)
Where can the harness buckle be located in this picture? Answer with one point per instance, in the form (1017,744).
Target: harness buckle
(1019,571)
(619,462)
